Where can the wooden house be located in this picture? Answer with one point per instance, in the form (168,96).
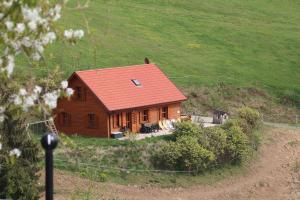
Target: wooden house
(114,99)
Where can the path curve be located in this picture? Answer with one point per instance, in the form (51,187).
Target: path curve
(274,176)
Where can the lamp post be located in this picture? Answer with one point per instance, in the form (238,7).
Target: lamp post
(49,142)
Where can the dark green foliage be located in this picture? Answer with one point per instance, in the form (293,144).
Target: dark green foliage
(197,148)
(186,128)
(185,154)
(237,145)
(251,116)
(215,140)
(18,175)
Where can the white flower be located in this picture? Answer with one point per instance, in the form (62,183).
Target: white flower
(32,25)
(9,25)
(22,92)
(37,89)
(64,84)
(78,34)
(1,119)
(2,109)
(36,56)
(15,152)
(69,92)
(68,34)
(10,65)
(7,4)
(20,27)
(55,12)
(0,146)
(1,15)
(29,101)
(26,42)
(50,99)
(17,100)
(49,38)
(31,15)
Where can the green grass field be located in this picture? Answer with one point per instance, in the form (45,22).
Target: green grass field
(245,43)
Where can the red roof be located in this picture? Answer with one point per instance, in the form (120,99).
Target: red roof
(116,90)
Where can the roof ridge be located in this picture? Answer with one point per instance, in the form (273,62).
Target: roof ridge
(109,68)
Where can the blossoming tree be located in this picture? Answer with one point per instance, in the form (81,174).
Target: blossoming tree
(27,27)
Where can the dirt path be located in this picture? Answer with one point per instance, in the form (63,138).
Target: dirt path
(275,176)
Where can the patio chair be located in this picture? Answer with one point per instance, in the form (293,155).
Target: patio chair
(170,125)
(164,123)
(161,125)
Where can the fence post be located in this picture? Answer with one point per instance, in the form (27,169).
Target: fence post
(49,142)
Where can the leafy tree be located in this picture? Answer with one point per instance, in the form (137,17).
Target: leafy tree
(27,27)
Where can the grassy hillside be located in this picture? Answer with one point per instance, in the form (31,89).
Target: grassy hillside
(245,43)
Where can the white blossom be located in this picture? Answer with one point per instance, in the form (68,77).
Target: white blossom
(20,27)
(50,99)
(0,146)
(32,25)
(9,25)
(2,109)
(26,42)
(17,100)
(10,65)
(69,92)
(55,12)
(28,102)
(68,34)
(78,34)
(36,56)
(1,118)
(1,15)
(37,89)
(64,84)
(49,38)
(15,152)
(31,14)
(22,92)
(7,4)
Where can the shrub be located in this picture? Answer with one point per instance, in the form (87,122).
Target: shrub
(237,145)
(185,154)
(18,177)
(186,128)
(215,140)
(252,117)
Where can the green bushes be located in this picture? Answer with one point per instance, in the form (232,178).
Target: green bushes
(250,118)
(196,148)
(186,128)
(185,154)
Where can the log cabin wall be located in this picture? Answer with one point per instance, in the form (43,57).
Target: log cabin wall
(87,116)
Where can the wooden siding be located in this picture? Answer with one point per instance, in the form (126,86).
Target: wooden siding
(79,110)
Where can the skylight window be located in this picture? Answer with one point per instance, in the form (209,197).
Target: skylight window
(136,82)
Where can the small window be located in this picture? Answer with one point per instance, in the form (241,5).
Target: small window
(136,82)
(116,120)
(145,116)
(92,121)
(80,93)
(164,112)
(65,119)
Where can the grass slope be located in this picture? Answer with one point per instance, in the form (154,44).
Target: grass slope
(245,43)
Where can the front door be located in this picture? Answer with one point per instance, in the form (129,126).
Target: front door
(131,121)
(128,120)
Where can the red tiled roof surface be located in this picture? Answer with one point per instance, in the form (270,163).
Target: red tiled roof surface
(115,89)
